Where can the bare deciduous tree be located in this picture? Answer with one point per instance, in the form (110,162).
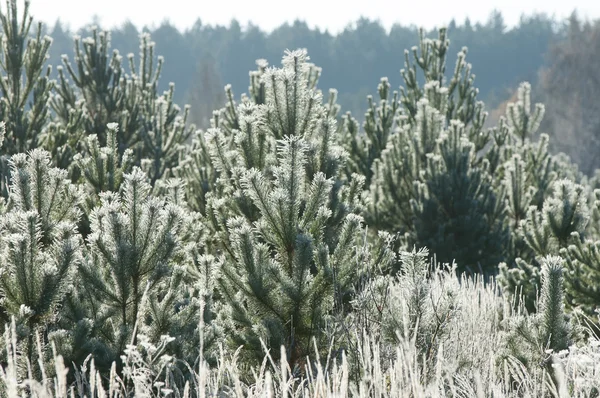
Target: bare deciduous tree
(570,87)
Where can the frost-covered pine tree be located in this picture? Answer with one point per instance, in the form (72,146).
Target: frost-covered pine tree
(97,91)
(104,168)
(545,199)
(443,181)
(101,169)
(421,150)
(25,84)
(582,254)
(196,172)
(381,118)
(195,166)
(287,227)
(410,306)
(535,340)
(40,247)
(131,278)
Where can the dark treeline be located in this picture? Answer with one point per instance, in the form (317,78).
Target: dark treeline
(353,61)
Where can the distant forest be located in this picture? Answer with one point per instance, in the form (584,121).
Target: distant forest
(202,59)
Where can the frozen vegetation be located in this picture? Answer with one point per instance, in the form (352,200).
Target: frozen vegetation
(287,250)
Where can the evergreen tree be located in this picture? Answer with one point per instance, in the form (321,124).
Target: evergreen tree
(287,225)
(536,340)
(550,230)
(409,306)
(25,85)
(196,167)
(526,172)
(456,210)
(380,120)
(441,180)
(583,260)
(102,169)
(131,276)
(196,172)
(429,182)
(253,234)
(24,79)
(40,246)
(151,125)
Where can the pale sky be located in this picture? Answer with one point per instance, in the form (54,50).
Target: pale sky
(326,14)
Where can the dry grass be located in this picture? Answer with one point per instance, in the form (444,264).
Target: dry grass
(469,363)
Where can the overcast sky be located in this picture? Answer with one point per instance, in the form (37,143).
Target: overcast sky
(333,15)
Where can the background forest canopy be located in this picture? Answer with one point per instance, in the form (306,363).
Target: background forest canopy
(202,59)
(230,52)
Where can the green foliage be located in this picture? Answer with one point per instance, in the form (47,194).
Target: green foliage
(39,243)
(523,122)
(25,80)
(151,237)
(283,218)
(548,231)
(103,168)
(421,152)
(456,210)
(25,85)
(130,277)
(196,172)
(537,339)
(530,174)
(583,263)
(408,308)
(101,93)
(100,89)
(380,120)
